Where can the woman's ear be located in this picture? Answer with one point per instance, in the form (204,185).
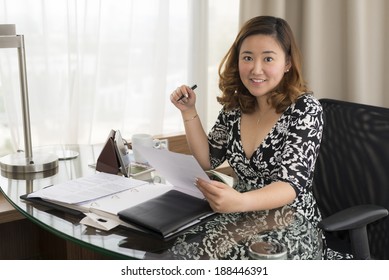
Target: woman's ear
(288,65)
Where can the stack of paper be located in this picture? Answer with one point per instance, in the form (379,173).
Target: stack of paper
(108,200)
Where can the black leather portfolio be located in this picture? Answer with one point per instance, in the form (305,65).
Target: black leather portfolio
(168,214)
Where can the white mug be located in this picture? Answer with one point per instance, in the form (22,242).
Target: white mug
(147,141)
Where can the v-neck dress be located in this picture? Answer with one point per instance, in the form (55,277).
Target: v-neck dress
(288,153)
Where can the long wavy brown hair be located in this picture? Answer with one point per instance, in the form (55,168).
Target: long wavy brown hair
(235,94)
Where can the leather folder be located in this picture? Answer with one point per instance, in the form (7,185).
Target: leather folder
(168,214)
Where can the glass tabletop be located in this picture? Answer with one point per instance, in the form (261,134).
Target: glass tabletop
(225,236)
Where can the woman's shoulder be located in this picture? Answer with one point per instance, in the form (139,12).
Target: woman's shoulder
(230,113)
(307,102)
(307,98)
(228,116)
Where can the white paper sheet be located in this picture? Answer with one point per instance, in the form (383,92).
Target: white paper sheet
(114,203)
(87,188)
(178,169)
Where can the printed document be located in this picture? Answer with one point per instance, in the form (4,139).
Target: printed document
(87,188)
(180,170)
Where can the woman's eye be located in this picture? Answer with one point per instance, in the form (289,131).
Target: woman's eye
(247,58)
(268,59)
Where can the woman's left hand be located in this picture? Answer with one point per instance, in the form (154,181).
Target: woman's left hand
(221,197)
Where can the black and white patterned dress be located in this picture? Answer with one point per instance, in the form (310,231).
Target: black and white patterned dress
(288,153)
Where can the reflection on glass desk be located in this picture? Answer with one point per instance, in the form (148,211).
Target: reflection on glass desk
(226,236)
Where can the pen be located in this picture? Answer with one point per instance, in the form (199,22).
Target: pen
(182,96)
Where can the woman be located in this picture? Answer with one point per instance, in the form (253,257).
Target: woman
(269,129)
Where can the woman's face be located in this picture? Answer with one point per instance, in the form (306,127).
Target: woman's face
(262,64)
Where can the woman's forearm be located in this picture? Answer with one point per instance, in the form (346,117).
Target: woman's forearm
(197,138)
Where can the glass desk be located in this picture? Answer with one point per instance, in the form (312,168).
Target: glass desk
(226,236)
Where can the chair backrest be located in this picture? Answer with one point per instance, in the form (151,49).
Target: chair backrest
(353,164)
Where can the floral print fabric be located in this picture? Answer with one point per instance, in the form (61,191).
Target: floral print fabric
(228,236)
(288,153)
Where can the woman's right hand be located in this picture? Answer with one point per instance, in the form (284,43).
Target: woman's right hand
(195,135)
(187,102)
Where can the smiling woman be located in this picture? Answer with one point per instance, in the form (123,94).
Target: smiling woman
(102,65)
(269,129)
(262,64)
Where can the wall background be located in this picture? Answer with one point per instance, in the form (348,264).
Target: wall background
(345,44)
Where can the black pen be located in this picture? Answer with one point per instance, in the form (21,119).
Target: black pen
(182,96)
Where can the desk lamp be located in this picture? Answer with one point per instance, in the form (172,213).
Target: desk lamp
(23,162)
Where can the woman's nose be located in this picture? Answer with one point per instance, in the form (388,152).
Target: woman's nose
(257,68)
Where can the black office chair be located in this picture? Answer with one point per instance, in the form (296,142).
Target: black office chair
(351,181)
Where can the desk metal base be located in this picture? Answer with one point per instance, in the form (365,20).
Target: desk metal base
(19,163)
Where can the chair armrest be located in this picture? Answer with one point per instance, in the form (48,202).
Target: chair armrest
(353,217)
